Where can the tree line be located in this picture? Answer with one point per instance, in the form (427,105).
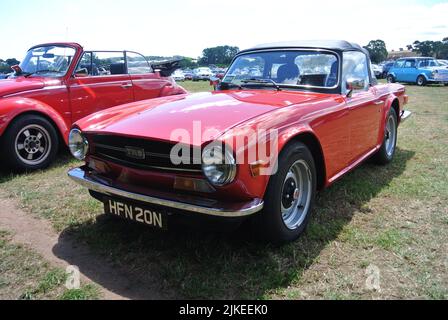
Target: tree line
(436,49)
(5,65)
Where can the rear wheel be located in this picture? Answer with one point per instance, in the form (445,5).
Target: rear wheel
(387,150)
(390,79)
(30,143)
(289,197)
(421,81)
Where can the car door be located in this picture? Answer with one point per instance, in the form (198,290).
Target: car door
(397,70)
(100,81)
(410,71)
(146,83)
(364,106)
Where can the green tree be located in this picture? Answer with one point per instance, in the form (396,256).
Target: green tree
(436,49)
(377,50)
(221,55)
(12,61)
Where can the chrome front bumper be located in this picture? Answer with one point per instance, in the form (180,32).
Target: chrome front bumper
(405,115)
(186,203)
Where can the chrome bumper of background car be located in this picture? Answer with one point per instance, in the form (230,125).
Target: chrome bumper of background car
(220,209)
(405,114)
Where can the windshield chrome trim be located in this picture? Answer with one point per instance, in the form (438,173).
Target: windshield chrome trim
(339,57)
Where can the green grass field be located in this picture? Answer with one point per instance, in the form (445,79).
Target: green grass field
(393,219)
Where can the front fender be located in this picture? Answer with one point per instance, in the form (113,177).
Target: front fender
(11,108)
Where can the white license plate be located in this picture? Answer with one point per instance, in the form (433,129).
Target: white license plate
(142,214)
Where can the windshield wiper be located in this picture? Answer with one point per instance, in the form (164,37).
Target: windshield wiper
(262,81)
(40,71)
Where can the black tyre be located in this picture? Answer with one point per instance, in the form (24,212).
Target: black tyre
(390,79)
(30,143)
(421,81)
(289,196)
(387,151)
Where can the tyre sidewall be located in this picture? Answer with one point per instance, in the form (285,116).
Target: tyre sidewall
(381,157)
(9,139)
(273,224)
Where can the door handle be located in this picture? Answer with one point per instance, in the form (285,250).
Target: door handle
(377,103)
(126,85)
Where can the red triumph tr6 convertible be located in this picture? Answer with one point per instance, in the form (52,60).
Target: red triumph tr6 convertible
(60,83)
(287,119)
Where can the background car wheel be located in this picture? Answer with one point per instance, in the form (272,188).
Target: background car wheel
(30,143)
(390,79)
(421,81)
(387,151)
(289,197)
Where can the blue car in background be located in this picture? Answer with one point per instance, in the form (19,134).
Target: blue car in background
(419,70)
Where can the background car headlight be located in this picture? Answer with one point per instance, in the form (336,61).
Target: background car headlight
(219,165)
(78,144)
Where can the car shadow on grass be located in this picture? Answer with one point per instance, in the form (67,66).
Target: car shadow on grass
(62,159)
(199,264)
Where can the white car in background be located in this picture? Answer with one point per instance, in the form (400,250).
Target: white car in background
(178,75)
(202,73)
(377,70)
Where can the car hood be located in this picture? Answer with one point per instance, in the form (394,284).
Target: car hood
(11,86)
(204,114)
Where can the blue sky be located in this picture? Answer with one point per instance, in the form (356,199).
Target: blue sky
(185,27)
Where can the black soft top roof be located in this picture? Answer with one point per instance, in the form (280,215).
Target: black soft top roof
(338,45)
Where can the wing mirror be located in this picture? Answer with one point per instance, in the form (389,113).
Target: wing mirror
(81,73)
(215,81)
(355,84)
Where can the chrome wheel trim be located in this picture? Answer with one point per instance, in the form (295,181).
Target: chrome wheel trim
(420,81)
(391,136)
(33,144)
(298,185)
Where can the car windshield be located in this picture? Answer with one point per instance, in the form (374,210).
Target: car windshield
(48,61)
(298,68)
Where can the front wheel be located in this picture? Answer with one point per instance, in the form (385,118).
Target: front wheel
(421,81)
(30,143)
(387,150)
(289,197)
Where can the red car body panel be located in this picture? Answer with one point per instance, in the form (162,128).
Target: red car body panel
(347,130)
(67,99)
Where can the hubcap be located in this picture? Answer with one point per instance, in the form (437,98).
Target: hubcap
(296,195)
(391,136)
(33,144)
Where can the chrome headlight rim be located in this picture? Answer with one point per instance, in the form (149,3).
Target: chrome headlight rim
(78,144)
(229,164)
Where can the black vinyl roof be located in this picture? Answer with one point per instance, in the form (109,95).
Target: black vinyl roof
(339,45)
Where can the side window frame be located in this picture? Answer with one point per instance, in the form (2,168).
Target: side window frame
(80,60)
(151,70)
(367,70)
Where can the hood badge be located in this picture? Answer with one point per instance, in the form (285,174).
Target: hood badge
(135,153)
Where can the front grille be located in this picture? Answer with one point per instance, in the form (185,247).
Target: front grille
(139,153)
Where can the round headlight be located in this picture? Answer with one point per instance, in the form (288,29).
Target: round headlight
(78,144)
(218,164)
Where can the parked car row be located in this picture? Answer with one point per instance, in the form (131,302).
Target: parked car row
(198,74)
(139,160)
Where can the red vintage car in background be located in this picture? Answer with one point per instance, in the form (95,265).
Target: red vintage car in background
(319,101)
(60,83)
